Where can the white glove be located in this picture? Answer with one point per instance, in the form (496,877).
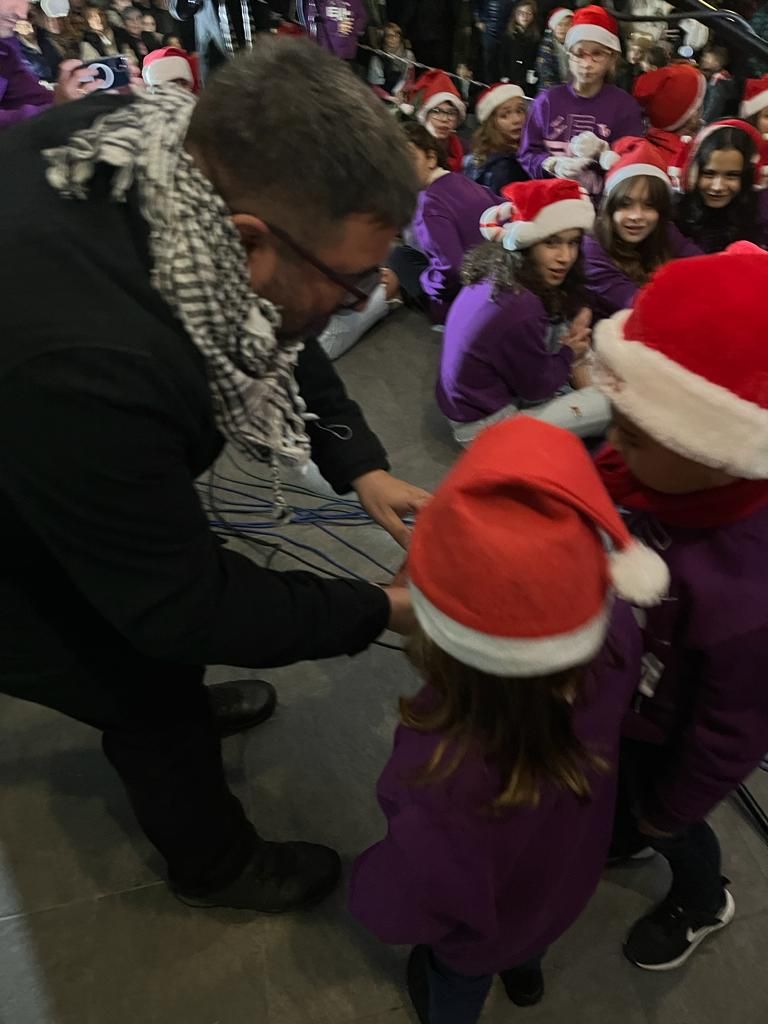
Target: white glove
(566,166)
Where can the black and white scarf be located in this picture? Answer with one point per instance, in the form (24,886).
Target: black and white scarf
(199,268)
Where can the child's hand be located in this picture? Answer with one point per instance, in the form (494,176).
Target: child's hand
(579,334)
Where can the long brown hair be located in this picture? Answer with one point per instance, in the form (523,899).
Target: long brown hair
(513,271)
(523,725)
(637,261)
(488,140)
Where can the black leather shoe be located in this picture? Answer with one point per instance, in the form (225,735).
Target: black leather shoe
(241,704)
(524,985)
(279,877)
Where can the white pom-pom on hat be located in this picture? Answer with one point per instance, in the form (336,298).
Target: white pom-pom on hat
(608,159)
(639,574)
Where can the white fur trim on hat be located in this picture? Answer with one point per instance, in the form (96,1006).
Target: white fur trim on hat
(497,96)
(680,409)
(697,103)
(436,100)
(562,216)
(167,69)
(754,105)
(557,16)
(510,656)
(636,171)
(592,34)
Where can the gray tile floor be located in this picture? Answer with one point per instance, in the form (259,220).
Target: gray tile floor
(88,935)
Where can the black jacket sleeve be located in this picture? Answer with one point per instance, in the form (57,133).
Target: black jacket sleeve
(94,458)
(343,445)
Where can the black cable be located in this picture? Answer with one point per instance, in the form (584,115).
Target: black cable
(753,810)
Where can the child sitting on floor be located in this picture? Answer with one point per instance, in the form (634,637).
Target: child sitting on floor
(686,372)
(500,112)
(499,793)
(721,178)
(634,233)
(426,269)
(517,337)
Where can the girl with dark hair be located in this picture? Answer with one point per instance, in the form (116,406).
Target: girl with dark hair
(519,46)
(517,337)
(499,792)
(720,203)
(501,113)
(426,268)
(634,234)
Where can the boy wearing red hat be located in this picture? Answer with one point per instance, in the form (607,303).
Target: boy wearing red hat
(500,790)
(690,467)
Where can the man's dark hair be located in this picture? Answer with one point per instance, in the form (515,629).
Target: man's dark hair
(419,137)
(287,131)
(657,57)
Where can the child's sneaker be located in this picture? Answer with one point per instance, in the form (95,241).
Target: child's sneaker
(665,938)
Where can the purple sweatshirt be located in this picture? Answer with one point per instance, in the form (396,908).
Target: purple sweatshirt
(558,114)
(445,226)
(490,892)
(609,287)
(708,646)
(496,352)
(21,95)
(327,23)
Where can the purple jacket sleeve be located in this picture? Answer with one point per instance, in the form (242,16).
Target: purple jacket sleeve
(441,243)
(610,286)
(726,739)
(525,365)
(681,246)
(21,95)
(533,149)
(411,887)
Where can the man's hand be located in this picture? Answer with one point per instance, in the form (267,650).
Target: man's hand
(387,500)
(74,82)
(401,617)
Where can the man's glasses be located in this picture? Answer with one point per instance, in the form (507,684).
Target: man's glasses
(358,287)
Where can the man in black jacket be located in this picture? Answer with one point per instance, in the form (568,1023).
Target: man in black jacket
(183,249)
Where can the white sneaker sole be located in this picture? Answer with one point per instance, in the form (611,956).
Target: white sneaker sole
(725,915)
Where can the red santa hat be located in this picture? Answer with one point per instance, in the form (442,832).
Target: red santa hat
(168,64)
(636,157)
(593,25)
(755,96)
(684,171)
(534,210)
(494,97)
(559,14)
(670,96)
(509,568)
(707,402)
(433,88)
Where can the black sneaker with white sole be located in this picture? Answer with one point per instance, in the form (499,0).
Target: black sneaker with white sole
(665,938)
